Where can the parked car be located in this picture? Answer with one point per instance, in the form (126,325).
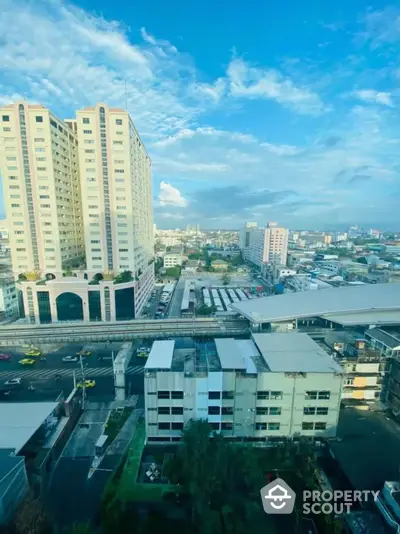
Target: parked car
(27,361)
(88,384)
(13,382)
(68,359)
(5,357)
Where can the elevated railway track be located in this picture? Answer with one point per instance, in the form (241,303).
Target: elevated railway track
(14,334)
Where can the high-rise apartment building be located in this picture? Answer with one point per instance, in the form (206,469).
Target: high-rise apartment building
(116,191)
(265,245)
(244,237)
(39,165)
(81,223)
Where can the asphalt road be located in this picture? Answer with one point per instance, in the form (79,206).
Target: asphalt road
(149,313)
(42,375)
(368,449)
(73,497)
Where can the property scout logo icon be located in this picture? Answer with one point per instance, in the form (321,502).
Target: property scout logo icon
(277,497)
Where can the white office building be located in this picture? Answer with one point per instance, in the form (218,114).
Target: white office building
(173,258)
(270,387)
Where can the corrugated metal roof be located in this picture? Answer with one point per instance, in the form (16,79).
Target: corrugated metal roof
(161,355)
(228,354)
(294,353)
(20,420)
(388,339)
(375,317)
(340,300)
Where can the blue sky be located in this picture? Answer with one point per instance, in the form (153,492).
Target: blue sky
(285,111)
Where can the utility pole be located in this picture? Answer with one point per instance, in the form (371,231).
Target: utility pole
(83,382)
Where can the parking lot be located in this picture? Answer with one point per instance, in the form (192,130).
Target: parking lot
(48,376)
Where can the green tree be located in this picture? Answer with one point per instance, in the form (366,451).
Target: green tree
(223,481)
(226,279)
(31,517)
(195,256)
(123,277)
(173,272)
(79,528)
(205,310)
(237,260)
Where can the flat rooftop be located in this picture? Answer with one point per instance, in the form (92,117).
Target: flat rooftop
(161,355)
(20,420)
(294,353)
(372,298)
(229,355)
(264,353)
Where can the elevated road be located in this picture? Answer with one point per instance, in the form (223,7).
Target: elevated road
(122,331)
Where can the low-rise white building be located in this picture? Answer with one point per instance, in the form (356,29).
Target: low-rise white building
(269,387)
(304,282)
(276,272)
(173,258)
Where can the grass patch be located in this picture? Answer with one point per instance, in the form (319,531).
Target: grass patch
(115,422)
(128,489)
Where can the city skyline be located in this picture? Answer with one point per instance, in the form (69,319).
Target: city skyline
(278,119)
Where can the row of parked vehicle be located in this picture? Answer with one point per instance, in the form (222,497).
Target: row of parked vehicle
(162,308)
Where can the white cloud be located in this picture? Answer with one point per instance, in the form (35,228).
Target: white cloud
(162,44)
(69,59)
(206,131)
(252,82)
(213,91)
(376,97)
(170,164)
(171,196)
(282,150)
(168,215)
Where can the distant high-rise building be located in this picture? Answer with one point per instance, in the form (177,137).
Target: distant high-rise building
(265,245)
(39,163)
(244,237)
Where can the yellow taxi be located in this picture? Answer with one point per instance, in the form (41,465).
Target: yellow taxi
(143,352)
(33,352)
(27,361)
(84,353)
(88,384)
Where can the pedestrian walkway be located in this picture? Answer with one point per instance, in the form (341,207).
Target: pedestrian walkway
(51,373)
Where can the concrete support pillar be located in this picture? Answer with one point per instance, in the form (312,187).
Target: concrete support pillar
(112,303)
(85,306)
(53,306)
(102,304)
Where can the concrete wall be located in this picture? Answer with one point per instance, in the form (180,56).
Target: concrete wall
(287,394)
